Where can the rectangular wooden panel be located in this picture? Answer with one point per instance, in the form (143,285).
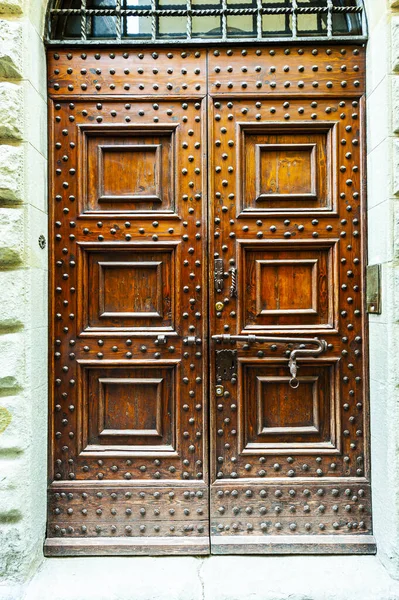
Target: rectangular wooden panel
(129,409)
(287,285)
(126,169)
(285,168)
(134,288)
(276,418)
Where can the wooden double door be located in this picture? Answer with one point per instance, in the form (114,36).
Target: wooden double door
(208,341)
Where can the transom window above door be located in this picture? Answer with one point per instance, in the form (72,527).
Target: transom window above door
(168,21)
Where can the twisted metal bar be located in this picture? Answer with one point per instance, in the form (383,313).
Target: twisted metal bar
(294,19)
(155,12)
(118,21)
(329,19)
(83,22)
(189,23)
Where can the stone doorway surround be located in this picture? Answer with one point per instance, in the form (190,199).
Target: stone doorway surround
(23,360)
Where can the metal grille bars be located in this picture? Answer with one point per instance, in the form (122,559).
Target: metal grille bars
(129,22)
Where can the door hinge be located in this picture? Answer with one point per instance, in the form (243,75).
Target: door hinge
(226,365)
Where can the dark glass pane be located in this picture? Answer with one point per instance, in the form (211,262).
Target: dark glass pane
(172,27)
(314,3)
(312,24)
(207,26)
(208,4)
(67,26)
(241,26)
(277,3)
(138,4)
(138,27)
(101,26)
(276,25)
(344,3)
(349,24)
(179,4)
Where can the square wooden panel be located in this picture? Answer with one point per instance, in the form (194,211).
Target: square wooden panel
(285,171)
(128,407)
(129,172)
(132,288)
(287,285)
(285,168)
(128,169)
(275,417)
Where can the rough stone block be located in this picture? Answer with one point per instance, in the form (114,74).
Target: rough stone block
(36,118)
(34,53)
(11,37)
(13,298)
(379,170)
(378,52)
(395,103)
(395,167)
(395,43)
(11,7)
(36,225)
(380,233)
(11,550)
(11,111)
(36,11)
(12,173)
(35,178)
(378,115)
(14,426)
(12,368)
(396,231)
(12,236)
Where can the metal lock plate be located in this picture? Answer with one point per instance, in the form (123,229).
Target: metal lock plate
(219,390)
(219,274)
(226,365)
(373,292)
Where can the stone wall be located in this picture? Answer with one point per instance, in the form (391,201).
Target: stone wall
(23,287)
(383,248)
(23,281)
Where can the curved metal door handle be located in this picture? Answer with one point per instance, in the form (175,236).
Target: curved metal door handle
(302,351)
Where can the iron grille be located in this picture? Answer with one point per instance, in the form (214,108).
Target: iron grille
(193,21)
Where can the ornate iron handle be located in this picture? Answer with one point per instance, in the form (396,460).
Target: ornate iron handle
(321,346)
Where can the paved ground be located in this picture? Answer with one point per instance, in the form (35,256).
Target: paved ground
(215,578)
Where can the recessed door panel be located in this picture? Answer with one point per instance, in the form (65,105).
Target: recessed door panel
(133,288)
(287,285)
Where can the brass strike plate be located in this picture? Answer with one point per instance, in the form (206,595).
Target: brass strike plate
(373,289)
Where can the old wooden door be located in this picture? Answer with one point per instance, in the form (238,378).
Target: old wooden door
(206,218)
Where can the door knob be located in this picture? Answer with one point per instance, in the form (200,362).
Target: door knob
(300,352)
